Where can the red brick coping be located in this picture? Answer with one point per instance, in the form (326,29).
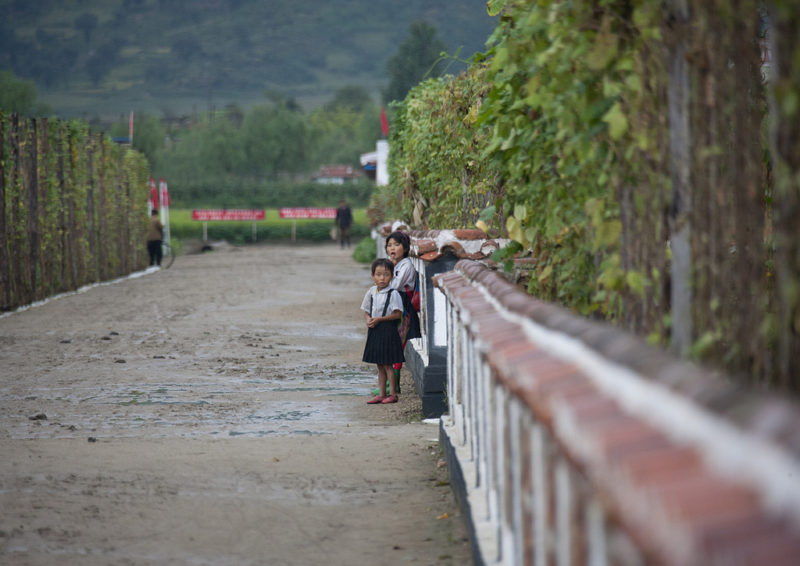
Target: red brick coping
(695,470)
(430,245)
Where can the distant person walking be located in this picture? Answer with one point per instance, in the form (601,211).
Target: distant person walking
(344,219)
(155,236)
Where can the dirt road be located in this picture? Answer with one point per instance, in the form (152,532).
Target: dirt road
(214,413)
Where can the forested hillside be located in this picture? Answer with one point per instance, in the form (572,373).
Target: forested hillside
(102,57)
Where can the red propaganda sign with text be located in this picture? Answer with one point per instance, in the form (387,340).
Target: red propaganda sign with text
(224,214)
(307,212)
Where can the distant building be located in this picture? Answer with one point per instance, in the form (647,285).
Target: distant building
(336,174)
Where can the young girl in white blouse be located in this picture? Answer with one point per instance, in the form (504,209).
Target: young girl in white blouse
(398,244)
(383,308)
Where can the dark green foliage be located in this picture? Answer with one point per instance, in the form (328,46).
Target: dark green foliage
(70,209)
(237,192)
(181,54)
(417,58)
(261,157)
(569,119)
(351,97)
(365,251)
(148,135)
(16,95)
(241,233)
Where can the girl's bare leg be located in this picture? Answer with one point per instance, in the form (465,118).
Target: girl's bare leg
(392,380)
(382,376)
(386,375)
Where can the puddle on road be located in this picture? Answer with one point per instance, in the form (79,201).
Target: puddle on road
(221,407)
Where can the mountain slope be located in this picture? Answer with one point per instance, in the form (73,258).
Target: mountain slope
(103,57)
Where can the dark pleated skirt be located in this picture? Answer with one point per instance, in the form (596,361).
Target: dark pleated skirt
(383,345)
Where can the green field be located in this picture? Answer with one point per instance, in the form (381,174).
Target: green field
(272,228)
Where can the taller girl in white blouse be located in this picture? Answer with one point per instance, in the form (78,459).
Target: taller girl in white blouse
(398,245)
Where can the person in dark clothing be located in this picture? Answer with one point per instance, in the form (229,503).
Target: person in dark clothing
(155,235)
(344,219)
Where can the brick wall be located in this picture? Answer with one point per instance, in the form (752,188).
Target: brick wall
(570,442)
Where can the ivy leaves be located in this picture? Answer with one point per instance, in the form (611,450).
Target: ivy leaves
(435,165)
(563,78)
(536,142)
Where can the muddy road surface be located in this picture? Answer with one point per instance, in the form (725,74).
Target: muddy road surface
(214,414)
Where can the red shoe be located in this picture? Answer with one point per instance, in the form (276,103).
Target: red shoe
(377,399)
(390,399)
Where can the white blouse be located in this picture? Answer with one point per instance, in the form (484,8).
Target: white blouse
(404,274)
(378,298)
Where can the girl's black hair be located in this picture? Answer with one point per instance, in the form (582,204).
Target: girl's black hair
(385,262)
(402,239)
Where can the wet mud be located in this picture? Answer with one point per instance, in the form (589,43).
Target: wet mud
(214,413)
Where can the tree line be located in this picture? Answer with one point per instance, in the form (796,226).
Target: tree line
(264,155)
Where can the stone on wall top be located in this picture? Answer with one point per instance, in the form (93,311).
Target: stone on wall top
(430,245)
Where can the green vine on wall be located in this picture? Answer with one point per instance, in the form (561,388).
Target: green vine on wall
(565,127)
(436,162)
(564,79)
(73,208)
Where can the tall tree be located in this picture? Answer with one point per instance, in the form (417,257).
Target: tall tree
(350,97)
(149,135)
(416,59)
(276,139)
(16,95)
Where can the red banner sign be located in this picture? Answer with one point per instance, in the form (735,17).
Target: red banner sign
(309,212)
(234,214)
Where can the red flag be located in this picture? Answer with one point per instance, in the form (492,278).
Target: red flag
(384,123)
(153,195)
(165,200)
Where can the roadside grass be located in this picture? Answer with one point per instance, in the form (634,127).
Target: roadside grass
(365,251)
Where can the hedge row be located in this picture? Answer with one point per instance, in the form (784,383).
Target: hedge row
(72,208)
(623,148)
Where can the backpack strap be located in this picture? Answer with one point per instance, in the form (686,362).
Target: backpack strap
(386,304)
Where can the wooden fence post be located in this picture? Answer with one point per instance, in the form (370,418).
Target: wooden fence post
(5,264)
(16,283)
(33,210)
(73,229)
(784,139)
(90,219)
(680,147)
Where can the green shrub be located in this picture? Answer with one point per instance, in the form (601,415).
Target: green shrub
(365,251)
